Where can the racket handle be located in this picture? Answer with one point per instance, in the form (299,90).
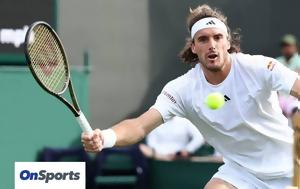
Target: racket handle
(84,124)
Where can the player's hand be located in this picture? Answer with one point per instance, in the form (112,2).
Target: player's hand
(92,142)
(184,154)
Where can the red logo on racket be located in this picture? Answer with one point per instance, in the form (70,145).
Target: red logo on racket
(48,68)
(48,58)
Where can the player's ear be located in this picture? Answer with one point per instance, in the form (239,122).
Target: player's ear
(193,47)
(228,43)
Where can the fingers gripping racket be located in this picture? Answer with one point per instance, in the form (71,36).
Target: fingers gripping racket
(48,64)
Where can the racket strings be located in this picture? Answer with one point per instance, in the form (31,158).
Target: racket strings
(39,61)
(43,66)
(47,59)
(44,69)
(58,74)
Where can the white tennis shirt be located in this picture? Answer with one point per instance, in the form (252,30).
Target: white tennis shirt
(250,129)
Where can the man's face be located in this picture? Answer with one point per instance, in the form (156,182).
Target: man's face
(211,45)
(288,50)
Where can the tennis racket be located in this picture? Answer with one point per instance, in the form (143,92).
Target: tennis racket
(48,64)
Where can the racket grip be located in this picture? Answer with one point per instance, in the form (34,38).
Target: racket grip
(84,124)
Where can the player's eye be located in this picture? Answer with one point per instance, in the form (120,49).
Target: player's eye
(202,39)
(218,37)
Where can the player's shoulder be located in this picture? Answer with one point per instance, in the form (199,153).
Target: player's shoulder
(184,81)
(253,62)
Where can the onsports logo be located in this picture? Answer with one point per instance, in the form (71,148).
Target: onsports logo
(43,175)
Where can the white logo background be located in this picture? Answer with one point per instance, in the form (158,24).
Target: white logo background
(54,167)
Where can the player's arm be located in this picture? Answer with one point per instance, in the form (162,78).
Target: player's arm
(296,89)
(279,77)
(127,132)
(133,130)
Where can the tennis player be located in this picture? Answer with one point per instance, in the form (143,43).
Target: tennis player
(250,130)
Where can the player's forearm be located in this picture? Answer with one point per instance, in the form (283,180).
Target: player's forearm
(129,132)
(133,130)
(124,133)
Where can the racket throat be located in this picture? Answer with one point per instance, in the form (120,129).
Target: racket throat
(73,97)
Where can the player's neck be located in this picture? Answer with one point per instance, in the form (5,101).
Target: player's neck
(217,77)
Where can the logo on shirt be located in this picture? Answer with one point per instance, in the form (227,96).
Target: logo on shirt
(270,65)
(169,96)
(226,98)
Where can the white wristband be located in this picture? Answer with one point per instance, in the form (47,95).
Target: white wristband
(109,138)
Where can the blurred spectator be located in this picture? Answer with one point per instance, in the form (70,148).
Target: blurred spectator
(289,52)
(291,59)
(177,138)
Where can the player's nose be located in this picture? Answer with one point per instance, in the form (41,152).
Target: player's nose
(211,44)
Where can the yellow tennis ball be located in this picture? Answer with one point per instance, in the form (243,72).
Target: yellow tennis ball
(214,100)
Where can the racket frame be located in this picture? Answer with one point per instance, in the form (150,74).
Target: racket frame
(68,84)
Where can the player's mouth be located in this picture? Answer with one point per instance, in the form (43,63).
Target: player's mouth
(212,56)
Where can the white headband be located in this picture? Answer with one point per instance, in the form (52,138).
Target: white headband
(208,22)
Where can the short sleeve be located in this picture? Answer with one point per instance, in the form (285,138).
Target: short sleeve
(279,77)
(169,102)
